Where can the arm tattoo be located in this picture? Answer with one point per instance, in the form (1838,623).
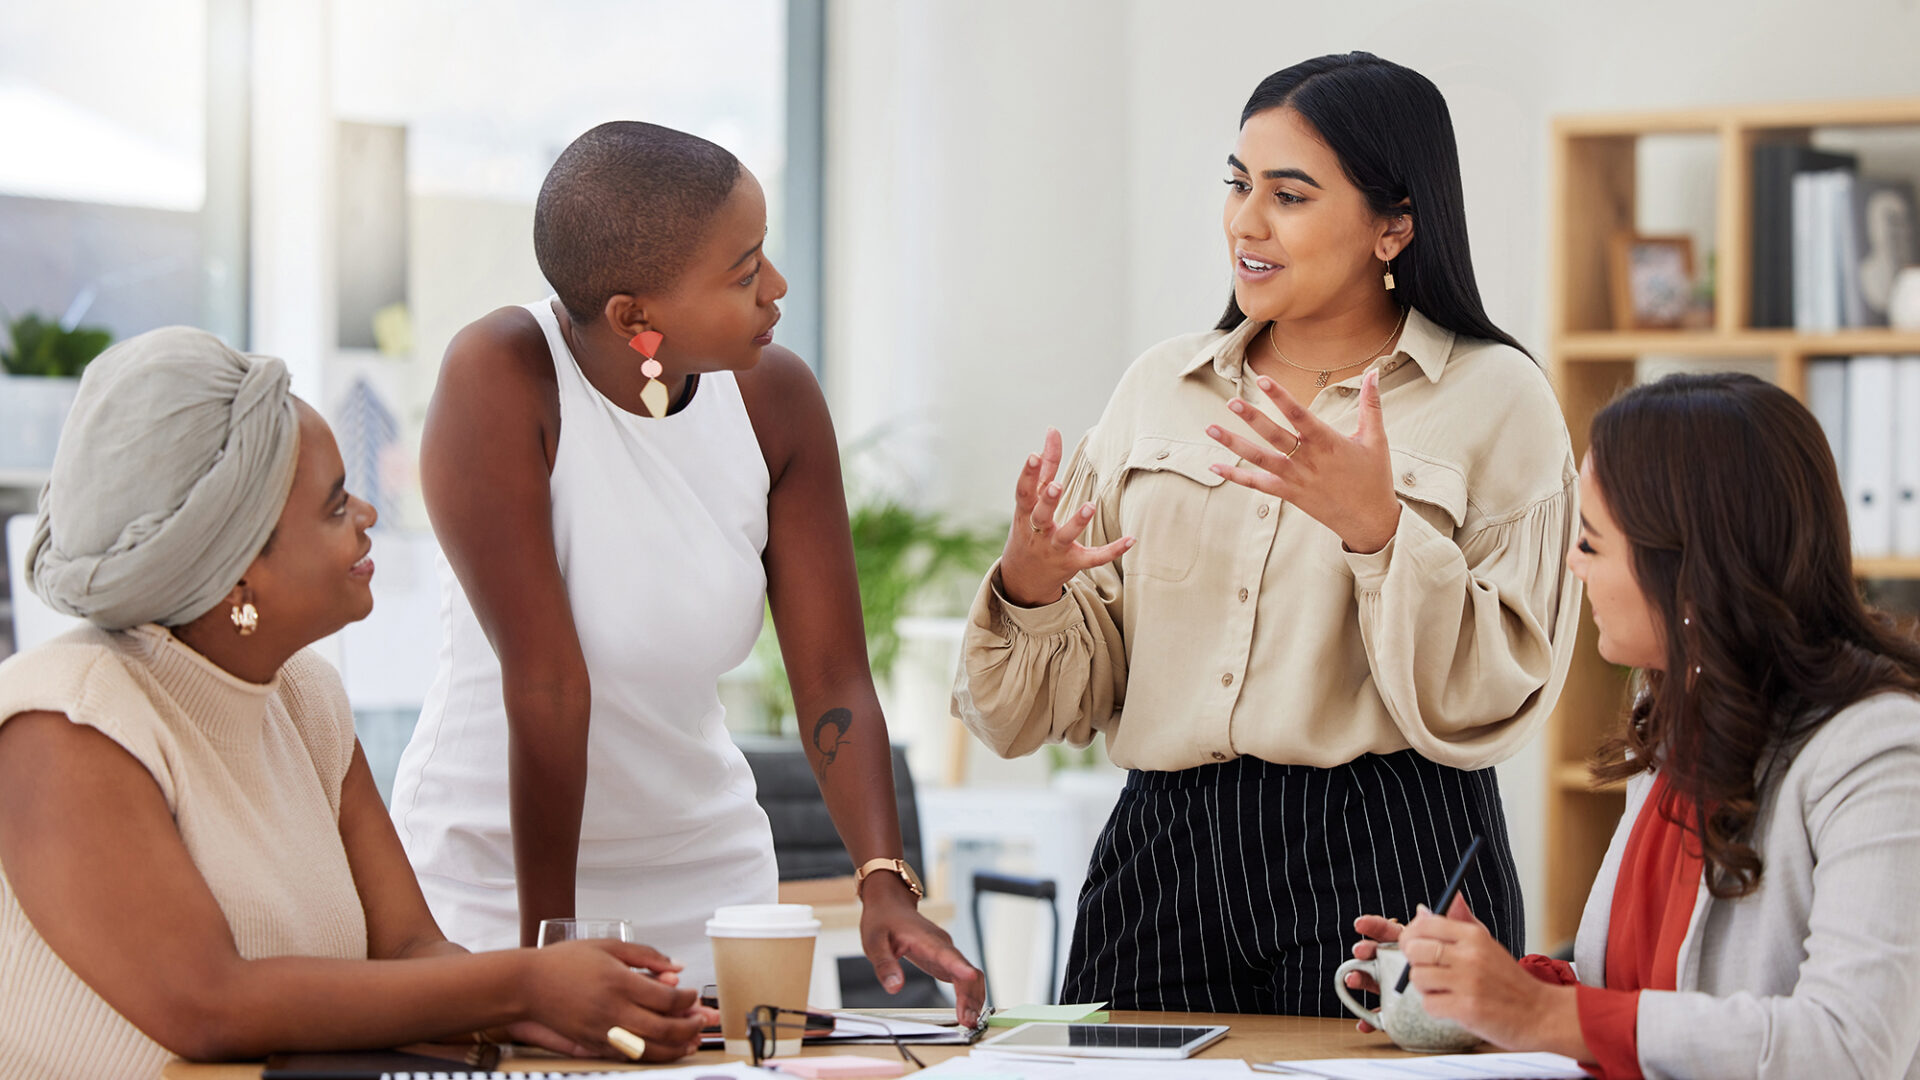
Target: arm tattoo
(830,732)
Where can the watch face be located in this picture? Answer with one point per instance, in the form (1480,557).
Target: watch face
(898,866)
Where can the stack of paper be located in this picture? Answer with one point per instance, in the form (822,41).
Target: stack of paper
(987,1065)
(1442,1067)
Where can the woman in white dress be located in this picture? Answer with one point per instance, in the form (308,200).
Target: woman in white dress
(622,477)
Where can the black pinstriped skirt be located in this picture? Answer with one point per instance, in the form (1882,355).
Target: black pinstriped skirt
(1233,887)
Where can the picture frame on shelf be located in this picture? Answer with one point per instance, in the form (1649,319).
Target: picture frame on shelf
(1651,281)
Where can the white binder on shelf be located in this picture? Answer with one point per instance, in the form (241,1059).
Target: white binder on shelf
(1869,475)
(1827,401)
(1851,303)
(1906,457)
(1806,218)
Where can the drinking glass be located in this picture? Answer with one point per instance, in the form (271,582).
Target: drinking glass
(554,931)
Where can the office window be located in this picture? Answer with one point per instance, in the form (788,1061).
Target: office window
(446,117)
(104,173)
(451,113)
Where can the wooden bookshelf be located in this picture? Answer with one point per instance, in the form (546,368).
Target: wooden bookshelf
(1594,177)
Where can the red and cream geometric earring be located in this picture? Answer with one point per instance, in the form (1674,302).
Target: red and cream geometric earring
(654,394)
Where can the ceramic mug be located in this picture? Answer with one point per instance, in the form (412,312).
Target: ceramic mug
(1400,1015)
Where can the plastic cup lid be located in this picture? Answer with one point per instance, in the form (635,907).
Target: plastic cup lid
(763,921)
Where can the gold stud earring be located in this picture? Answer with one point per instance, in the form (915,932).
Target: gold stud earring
(246,618)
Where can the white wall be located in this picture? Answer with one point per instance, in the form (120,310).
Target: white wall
(1022,197)
(976,246)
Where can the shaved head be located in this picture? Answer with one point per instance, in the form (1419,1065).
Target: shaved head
(623,210)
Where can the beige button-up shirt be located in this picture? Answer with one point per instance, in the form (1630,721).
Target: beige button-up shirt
(1239,625)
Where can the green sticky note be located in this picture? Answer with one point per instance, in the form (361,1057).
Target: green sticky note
(1056,1014)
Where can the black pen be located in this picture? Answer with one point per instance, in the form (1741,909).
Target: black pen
(1446,901)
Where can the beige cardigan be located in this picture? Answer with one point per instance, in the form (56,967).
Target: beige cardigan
(1817,973)
(252,775)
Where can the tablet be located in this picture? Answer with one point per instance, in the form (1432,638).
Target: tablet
(1149,1041)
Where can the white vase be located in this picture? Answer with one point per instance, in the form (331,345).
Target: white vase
(32,410)
(1903,303)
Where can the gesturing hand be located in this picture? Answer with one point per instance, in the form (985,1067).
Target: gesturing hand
(1344,482)
(1041,556)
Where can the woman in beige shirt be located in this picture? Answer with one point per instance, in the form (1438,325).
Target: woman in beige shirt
(1306,574)
(196,861)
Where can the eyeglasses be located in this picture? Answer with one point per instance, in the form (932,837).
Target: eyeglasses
(764,1024)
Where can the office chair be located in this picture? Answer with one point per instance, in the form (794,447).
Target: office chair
(1039,889)
(806,846)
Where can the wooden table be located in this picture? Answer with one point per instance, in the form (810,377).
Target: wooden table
(1250,1038)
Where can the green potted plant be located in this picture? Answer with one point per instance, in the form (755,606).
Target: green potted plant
(910,561)
(42,360)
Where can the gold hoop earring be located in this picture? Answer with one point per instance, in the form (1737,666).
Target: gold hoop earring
(246,618)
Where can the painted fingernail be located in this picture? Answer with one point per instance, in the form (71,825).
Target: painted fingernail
(1053,490)
(1214,430)
(1086,511)
(1237,405)
(1033,461)
(1220,470)
(1127,543)
(1266,383)
(893,982)
(1419,909)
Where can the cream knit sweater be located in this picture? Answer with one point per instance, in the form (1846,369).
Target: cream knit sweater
(252,775)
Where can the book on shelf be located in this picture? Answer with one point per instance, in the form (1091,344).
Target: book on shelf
(1827,240)
(1826,291)
(1774,167)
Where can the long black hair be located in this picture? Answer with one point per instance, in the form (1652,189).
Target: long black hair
(1390,128)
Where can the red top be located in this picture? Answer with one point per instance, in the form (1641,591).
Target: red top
(1653,899)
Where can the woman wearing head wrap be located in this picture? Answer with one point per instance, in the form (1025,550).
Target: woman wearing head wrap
(195,858)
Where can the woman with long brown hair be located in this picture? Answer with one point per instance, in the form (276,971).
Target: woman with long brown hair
(1754,915)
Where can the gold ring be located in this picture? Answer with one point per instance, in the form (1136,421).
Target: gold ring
(1036,528)
(627,1042)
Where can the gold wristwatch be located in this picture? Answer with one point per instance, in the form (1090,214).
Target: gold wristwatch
(898,866)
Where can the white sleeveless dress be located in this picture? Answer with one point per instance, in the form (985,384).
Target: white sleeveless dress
(659,525)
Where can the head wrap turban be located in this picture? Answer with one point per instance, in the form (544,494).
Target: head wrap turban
(171,473)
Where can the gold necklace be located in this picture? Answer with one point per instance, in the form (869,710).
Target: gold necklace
(1320,380)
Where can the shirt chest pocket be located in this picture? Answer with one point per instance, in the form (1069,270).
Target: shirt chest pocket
(1433,489)
(1166,489)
